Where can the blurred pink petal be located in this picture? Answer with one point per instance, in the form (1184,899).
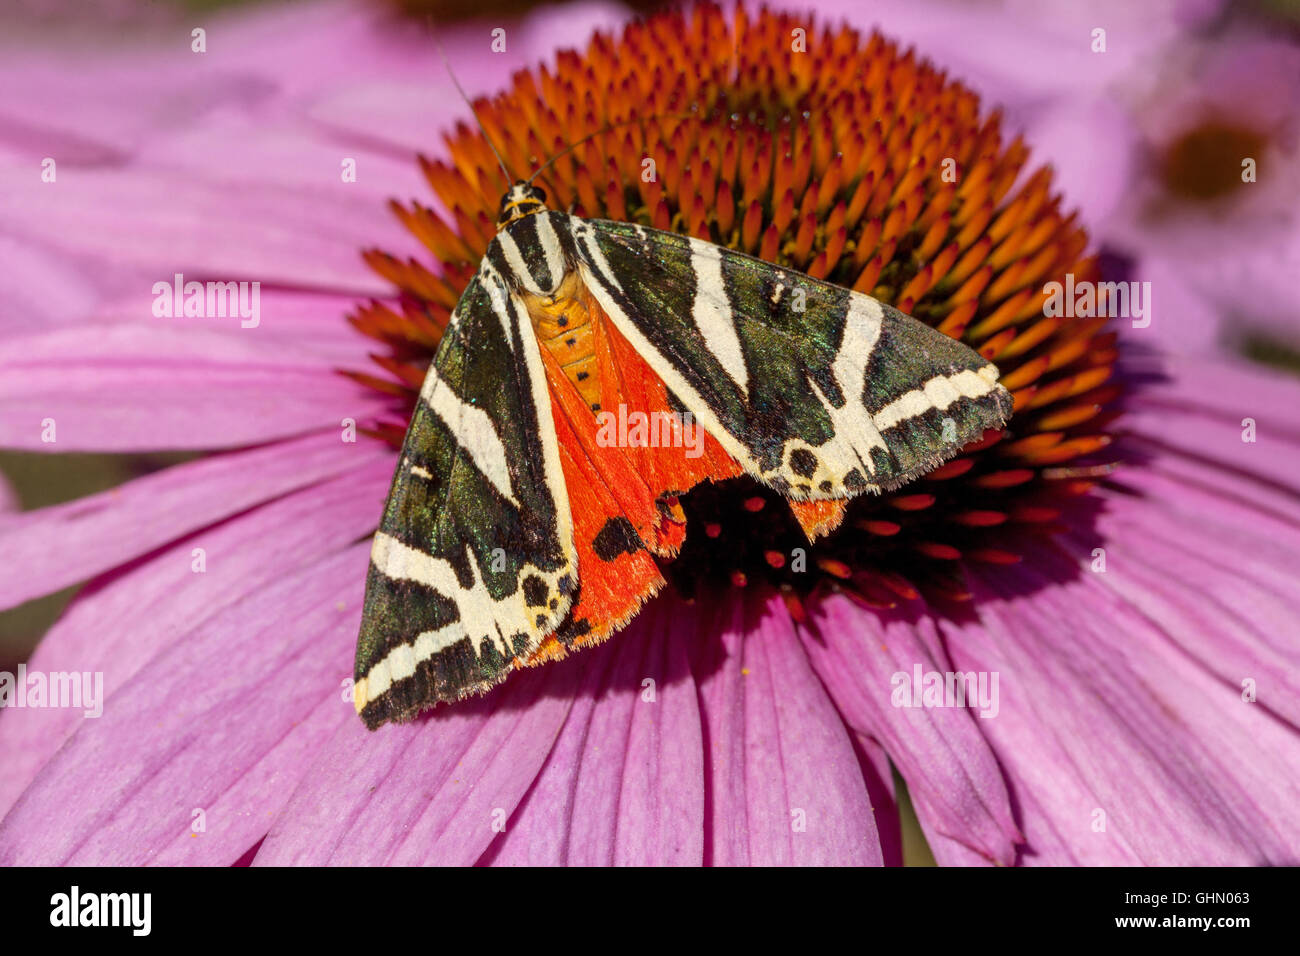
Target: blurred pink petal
(138,388)
(206,726)
(39,288)
(393,109)
(162,222)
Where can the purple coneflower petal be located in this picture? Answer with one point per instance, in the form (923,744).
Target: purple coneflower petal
(1201,406)
(220,722)
(161,221)
(1121,749)
(878,777)
(784,781)
(624,781)
(40,289)
(116,526)
(435,791)
(118,624)
(953,777)
(393,108)
(140,388)
(1241,621)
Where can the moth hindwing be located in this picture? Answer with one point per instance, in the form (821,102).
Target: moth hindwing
(481,561)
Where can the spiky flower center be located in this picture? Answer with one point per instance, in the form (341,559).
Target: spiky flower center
(835,154)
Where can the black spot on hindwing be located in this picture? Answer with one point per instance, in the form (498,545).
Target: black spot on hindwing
(615,538)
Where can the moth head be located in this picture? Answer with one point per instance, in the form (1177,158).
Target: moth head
(523,199)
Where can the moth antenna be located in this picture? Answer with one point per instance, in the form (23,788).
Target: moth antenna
(459,89)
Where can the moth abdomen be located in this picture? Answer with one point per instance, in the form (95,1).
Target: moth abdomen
(565,323)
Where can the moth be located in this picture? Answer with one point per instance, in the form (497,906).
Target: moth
(516,530)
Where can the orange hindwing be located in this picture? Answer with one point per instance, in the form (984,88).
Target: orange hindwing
(626,454)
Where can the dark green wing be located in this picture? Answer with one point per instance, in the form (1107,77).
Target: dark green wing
(474,563)
(817,391)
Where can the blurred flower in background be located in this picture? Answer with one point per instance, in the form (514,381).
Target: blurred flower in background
(1214,219)
(227,165)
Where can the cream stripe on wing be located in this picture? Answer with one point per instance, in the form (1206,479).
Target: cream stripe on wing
(852,421)
(519,270)
(551,466)
(497,294)
(515,262)
(938,393)
(675,381)
(854,432)
(480,615)
(713,316)
(473,430)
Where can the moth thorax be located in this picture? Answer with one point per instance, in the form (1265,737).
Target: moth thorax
(565,322)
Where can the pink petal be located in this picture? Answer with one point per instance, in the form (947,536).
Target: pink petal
(1021,56)
(953,777)
(784,783)
(878,775)
(434,792)
(1103,713)
(624,783)
(116,626)
(138,388)
(154,142)
(1222,388)
(301,330)
(1241,619)
(395,108)
(1202,409)
(111,528)
(118,99)
(159,222)
(223,722)
(1142,666)
(39,289)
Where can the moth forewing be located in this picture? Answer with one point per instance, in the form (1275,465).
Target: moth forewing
(473,564)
